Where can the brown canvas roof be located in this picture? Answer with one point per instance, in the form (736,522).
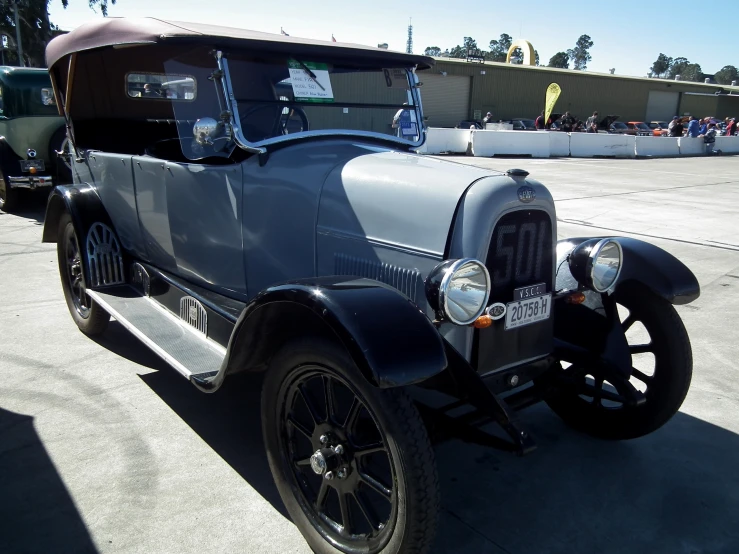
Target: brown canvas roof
(115,31)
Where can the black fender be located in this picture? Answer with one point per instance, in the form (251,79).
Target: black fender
(389,338)
(8,160)
(643,262)
(83,204)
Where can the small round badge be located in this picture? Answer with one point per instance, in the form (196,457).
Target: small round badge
(496,310)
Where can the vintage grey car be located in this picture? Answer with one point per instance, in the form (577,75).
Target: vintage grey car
(248,202)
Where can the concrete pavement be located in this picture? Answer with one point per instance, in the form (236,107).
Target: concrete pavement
(103,448)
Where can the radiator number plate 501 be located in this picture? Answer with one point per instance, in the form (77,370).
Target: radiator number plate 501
(530,310)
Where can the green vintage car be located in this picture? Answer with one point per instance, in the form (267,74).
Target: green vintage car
(31,133)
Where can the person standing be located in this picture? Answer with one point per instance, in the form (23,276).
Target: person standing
(676,128)
(567,122)
(709,138)
(487,119)
(591,125)
(731,127)
(539,123)
(693,127)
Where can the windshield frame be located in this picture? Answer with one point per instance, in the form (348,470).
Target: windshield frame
(260,147)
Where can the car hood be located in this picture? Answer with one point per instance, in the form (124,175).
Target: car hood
(404,201)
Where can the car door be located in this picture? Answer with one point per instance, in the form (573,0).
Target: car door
(191,215)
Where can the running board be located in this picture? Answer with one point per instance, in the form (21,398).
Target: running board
(177,342)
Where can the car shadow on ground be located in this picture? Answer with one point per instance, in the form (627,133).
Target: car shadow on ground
(39,513)
(676,490)
(32,208)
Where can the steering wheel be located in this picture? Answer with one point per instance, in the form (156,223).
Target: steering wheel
(280,125)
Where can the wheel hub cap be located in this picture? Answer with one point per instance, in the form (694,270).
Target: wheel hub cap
(324,460)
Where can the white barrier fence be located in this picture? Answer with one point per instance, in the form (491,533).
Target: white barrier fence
(548,144)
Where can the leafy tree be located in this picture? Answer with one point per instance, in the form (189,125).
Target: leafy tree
(499,48)
(560,59)
(726,74)
(102,4)
(458,52)
(536,57)
(692,72)
(580,54)
(432,51)
(35,28)
(677,67)
(516,56)
(661,65)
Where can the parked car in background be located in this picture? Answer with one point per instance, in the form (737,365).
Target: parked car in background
(659,128)
(638,128)
(470,123)
(619,128)
(31,132)
(380,292)
(522,124)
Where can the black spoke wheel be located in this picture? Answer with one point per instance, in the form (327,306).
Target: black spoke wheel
(89,316)
(662,367)
(352,462)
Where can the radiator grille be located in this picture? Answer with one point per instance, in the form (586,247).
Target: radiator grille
(407,281)
(104,256)
(521,253)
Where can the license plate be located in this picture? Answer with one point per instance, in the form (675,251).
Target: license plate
(528,311)
(26,165)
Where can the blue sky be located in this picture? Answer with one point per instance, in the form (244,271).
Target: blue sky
(628,34)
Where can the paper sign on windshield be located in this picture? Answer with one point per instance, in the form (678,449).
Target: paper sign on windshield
(310,81)
(395,78)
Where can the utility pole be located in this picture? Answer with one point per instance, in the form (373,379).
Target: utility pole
(18,34)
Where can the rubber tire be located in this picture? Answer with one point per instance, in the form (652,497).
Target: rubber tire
(12,200)
(418,509)
(97,319)
(673,373)
(63,174)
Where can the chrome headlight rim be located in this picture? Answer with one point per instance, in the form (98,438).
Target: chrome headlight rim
(444,289)
(593,258)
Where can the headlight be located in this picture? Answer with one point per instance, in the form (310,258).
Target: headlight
(597,263)
(458,290)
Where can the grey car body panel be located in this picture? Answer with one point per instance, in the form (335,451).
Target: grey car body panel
(424,192)
(204,211)
(151,199)
(111,176)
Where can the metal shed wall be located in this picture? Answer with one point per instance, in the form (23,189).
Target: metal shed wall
(510,91)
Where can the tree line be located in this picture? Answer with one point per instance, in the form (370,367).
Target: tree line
(680,68)
(497,51)
(35,28)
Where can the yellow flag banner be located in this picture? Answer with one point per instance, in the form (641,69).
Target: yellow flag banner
(553,91)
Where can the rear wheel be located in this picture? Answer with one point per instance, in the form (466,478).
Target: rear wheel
(353,463)
(87,314)
(662,369)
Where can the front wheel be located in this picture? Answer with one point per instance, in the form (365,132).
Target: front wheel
(90,317)
(352,462)
(662,363)
(9,197)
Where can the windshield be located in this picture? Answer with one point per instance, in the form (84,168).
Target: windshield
(619,125)
(527,123)
(279,97)
(303,94)
(642,126)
